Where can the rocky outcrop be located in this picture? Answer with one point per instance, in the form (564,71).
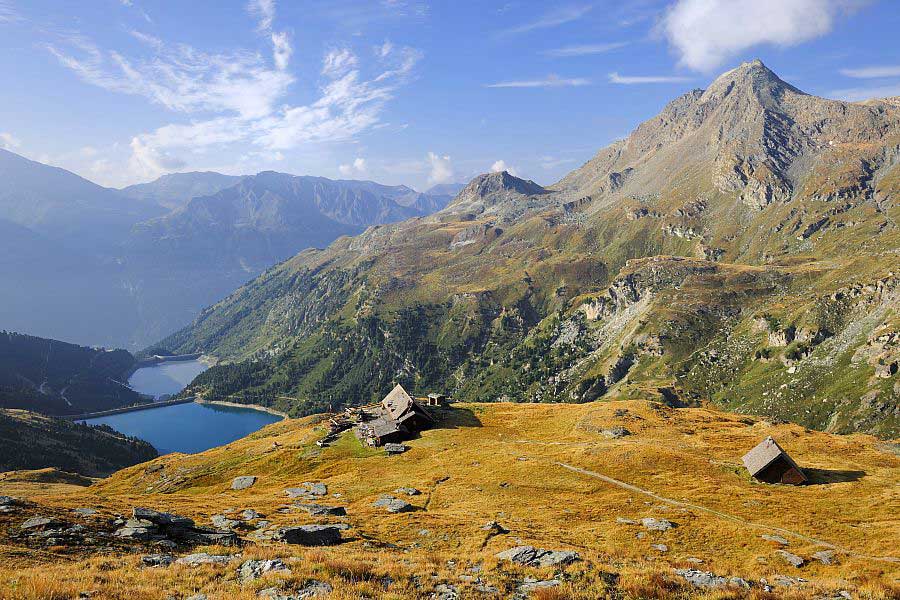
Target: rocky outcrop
(310,535)
(530,556)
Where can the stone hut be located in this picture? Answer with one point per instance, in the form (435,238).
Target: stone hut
(408,413)
(768,462)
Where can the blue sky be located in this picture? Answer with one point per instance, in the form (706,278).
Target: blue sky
(398,91)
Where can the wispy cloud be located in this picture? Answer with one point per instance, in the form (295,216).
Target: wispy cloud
(549,81)
(639,79)
(358,167)
(238,97)
(874,72)
(500,165)
(858,94)
(8,13)
(557,17)
(584,49)
(264,12)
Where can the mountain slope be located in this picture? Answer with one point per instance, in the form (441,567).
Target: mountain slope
(738,248)
(54,377)
(176,189)
(32,441)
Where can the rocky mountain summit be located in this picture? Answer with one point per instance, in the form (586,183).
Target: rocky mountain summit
(646,273)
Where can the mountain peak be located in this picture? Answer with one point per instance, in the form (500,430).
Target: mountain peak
(752,77)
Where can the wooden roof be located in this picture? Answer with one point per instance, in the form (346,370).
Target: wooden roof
(764,454)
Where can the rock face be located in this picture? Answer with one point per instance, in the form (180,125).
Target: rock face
(538,557)
(393,505)
(310,535)
(243,482)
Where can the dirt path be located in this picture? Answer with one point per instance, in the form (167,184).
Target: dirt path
(721,515)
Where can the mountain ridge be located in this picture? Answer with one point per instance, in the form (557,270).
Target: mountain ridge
(789,198)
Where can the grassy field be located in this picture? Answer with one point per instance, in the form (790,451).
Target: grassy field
(547,473)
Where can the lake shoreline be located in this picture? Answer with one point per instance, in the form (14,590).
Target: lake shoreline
(264,409)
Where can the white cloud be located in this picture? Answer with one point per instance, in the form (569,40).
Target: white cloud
(549,81)
(358,167)
(281,50)
(873,72)
(264,12)
(560,16)
(638,79)
(500,166)
(441,169)
(705,33)
(866,93)
(8,141)
(584,49)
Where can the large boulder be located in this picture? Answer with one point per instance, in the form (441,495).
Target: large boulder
(321,510)
(41,523)
(310,535)
(538,557)
(204,558)
(243,482)
(707,580)
(656,524)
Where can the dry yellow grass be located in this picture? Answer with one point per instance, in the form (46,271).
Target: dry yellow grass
(533,468)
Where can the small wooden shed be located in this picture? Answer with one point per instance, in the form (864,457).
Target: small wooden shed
(769,462)
(435,399)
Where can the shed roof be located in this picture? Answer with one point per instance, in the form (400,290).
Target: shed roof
(764,454)
(382,427)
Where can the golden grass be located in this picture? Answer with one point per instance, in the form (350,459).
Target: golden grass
(503,462)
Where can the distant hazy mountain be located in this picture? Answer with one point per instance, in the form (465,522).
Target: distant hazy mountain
(60,204)
(175,190)
(92,265)
(446,189)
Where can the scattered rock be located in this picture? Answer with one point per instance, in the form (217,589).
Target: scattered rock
(624,521)
(42,523)
(494,527)
(198,597)
(409,491)
(445,591)
(656,524)
(310,535)
(395,448)
(204,558)
(775,538)
(660,547)
(789,558)
(320,510)
(84,512)
(250,514)
(254,569)
(826,557)
(705,579)
(207,537)
(312,589)
(223,522)
(530,585)
(615,433)
(161,518)
(243,482)
(306,490)
(393,505)
(538,557)
(157,560)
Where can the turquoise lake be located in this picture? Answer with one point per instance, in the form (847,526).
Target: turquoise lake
(187,428)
